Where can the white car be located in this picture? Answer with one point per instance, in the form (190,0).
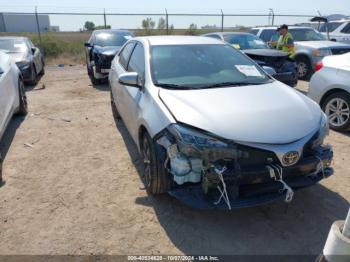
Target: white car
(12,94)
(330,87)
(338,30)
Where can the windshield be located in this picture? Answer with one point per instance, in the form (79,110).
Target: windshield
(13,46)
(203,66)
(306,34)
(245,41)
(331,26)
(111,38)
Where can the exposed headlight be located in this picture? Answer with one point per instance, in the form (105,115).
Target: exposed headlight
(23,64)
(321,52)
(322,132)
(196,138)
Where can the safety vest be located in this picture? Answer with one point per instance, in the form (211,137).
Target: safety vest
(282,44)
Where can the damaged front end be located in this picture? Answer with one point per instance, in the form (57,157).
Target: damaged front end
(210,172)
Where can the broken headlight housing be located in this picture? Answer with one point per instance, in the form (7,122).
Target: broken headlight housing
(199,144)
(322,132)
(193,137)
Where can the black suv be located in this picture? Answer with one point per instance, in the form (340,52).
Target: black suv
(100,50)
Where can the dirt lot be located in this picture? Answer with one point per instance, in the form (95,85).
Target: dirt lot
(76,189)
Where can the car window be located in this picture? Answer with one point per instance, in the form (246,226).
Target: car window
(111,38)
(331,26)
(125,54)
(346,29)
(200,66)
(267,34)
(214,36)
(254,31)
(137,60)
(245,41)
(306,34)
(8,45)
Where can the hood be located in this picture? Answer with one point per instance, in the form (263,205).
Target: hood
(265,52)
(107,50)
(18,57)
(321,44)
(272,113)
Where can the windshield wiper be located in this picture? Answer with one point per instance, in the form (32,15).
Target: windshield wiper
(173,86)
(229,84)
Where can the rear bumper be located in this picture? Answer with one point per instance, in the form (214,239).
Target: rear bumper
(256,187)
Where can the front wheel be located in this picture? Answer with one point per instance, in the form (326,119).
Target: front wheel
(34,77)
(304,68)
(337,108)
(155,176)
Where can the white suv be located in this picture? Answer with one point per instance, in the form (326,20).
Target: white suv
(338,30)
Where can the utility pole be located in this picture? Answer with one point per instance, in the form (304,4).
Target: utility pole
(104,17)
(37,24)
(222,21)
(167,21)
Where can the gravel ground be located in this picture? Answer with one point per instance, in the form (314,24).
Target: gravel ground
(72,186)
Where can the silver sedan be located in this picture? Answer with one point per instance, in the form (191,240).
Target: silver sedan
(213,129)
(330,87)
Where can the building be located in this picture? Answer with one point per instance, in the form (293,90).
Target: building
(23,23)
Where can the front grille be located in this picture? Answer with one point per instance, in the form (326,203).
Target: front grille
(340,51)
(257,157)
(104,61)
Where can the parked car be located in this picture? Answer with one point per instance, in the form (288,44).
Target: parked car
(213,129)
(330,87)
(100,50)
(12,94)
(27,57)
(311,46)
(338,31)
(274,62)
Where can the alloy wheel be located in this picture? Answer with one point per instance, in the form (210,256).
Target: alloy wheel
(338,112)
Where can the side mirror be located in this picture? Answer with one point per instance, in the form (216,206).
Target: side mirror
(334,40)
(87,44)
(269,70)
(130,79)
(33,50)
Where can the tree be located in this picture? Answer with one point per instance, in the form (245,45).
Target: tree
(161,24)
(89,26)
(148,24)
(192,30)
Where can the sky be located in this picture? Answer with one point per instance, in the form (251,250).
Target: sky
(71,23)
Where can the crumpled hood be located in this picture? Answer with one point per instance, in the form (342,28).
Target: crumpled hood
(321,44)
(272,113)
(18,57)
(265,52)
(107,50)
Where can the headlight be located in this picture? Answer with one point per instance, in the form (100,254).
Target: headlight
(322,132)
(23,64)
(321,52)
(196,138)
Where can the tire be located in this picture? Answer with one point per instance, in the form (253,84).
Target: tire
(337,108)
(23,104)
(304,68)
(42,72)
(155,176)
(93,80)
(115,112)
(34,77)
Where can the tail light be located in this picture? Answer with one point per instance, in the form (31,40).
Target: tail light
(319,66)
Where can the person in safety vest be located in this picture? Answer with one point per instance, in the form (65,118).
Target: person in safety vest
(285,42)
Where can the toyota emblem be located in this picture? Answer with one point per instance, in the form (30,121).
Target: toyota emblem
(290,158)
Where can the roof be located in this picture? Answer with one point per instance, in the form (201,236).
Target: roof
(112,30)
(228,33)
(289,27)
(179,40)
(14,37)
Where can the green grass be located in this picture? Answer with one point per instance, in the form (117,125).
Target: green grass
(68,47)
